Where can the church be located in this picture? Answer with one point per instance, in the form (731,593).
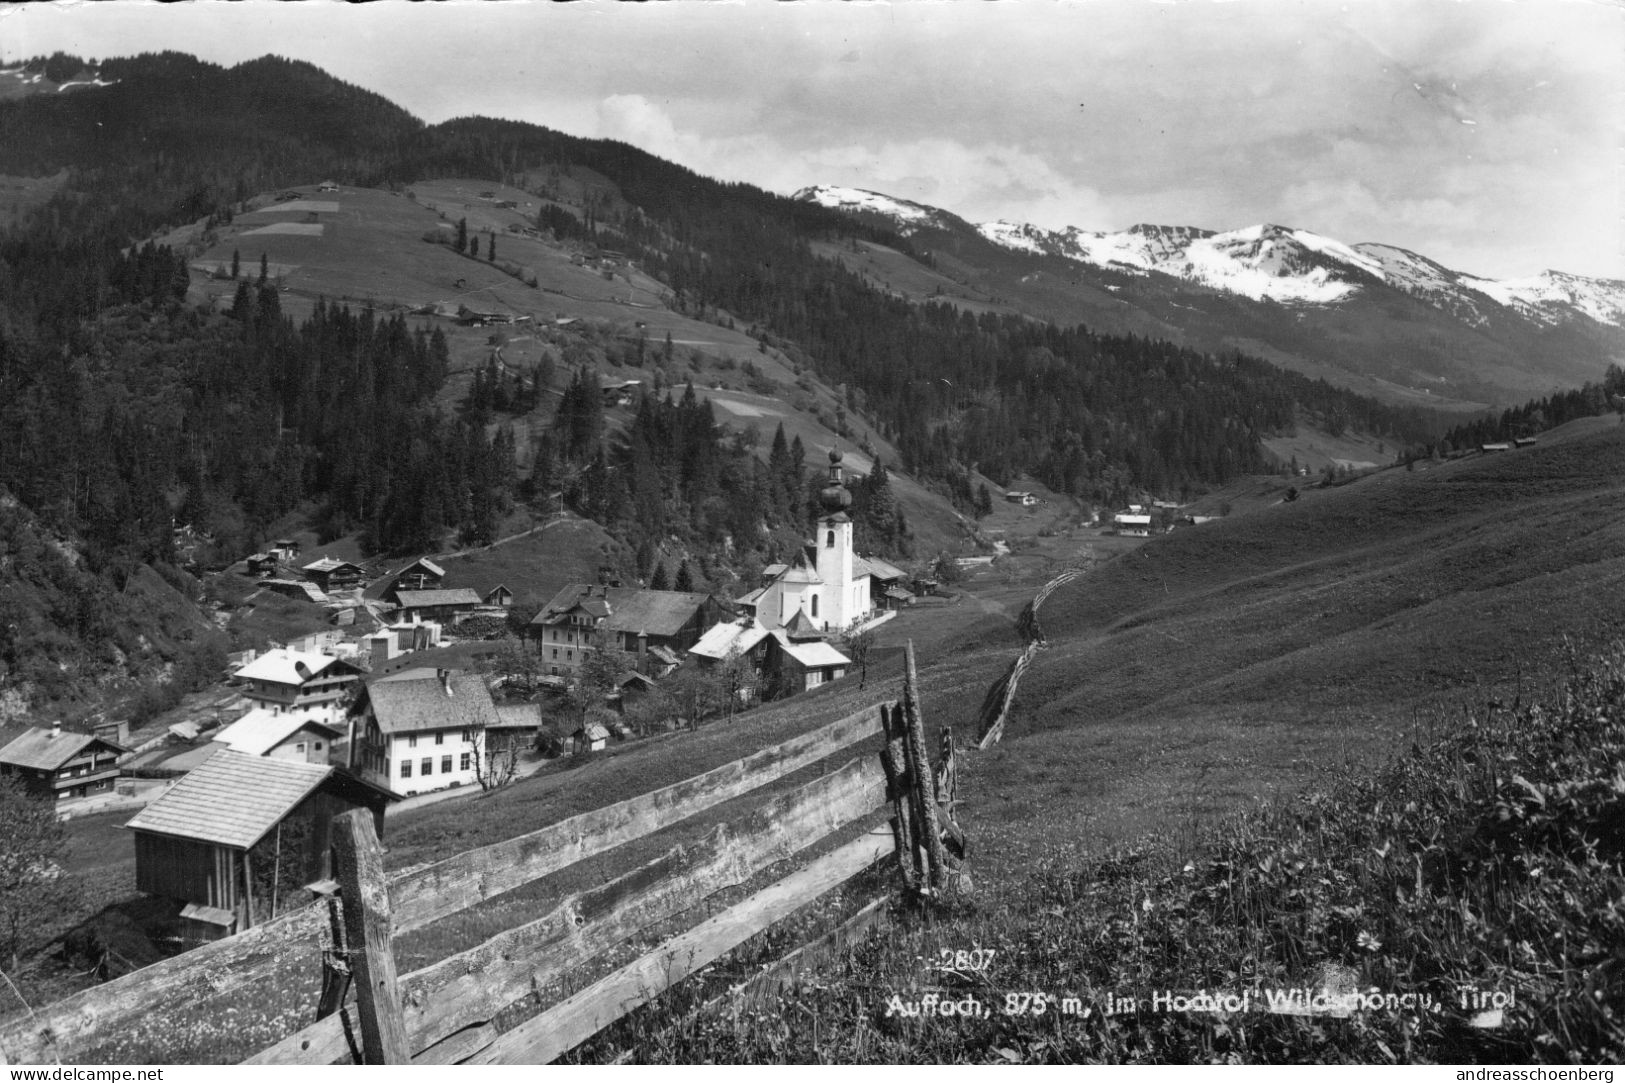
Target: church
(827,584)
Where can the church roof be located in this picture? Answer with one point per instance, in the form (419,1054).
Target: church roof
(802,571)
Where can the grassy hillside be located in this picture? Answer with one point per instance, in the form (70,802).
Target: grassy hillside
(1257,653)
(1467,892)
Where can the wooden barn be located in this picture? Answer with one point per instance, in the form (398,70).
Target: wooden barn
(240,832)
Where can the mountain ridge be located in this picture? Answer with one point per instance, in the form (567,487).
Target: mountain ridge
(1369,316)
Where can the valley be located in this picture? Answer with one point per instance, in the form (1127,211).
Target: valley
(242,351)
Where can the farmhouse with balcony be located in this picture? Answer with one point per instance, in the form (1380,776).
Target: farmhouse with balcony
(330,574)
(446,606)
(416,731)
(652,624)
(285,681)
(61,764)
(236,821)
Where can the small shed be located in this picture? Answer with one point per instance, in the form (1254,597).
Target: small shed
(499,595)
(589,738)
(240,831)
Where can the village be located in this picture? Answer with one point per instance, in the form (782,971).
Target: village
(398,703)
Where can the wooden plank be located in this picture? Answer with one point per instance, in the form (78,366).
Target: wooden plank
(540,1040)
(472,987)
(198,981)
(431,893)
(923,780)
(785,973)
(365,897)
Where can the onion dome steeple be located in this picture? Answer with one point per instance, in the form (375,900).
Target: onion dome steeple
(835,497)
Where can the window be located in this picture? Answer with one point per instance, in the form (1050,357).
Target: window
(299,748)
(412,741)
(829,539)
(555,652)
(406,768)
(815,605)
(467,761)
(439,738)
(427,767)
(569,655)
(445,765)
(318,746)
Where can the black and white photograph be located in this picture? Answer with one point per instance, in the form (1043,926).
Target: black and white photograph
(906,533)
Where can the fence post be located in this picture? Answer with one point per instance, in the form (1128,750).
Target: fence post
(367,930)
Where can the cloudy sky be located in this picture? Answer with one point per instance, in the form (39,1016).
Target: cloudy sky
(1485,134)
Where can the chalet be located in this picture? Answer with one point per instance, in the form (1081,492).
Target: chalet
(286,681)
(618,392)
(800,653)
(280,736)
(285,550)
(421,574)
(437,605)
(888,584)
(1133,524)
(60,764)
(327,186)
(1024,498)
(580,616)
(1495,447)
(261,564)
(797,650)
(1524,441)
(416,732)
(209,839)
(330,574)
(499,596)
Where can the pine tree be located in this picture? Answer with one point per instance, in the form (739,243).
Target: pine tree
(265,268)
(491,248)
(658,580)
(462,234)
(236,264)
(685,578)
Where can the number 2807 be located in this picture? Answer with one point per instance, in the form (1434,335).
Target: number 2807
(975,960)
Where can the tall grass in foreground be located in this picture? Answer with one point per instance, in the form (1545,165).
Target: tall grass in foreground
(1488,862)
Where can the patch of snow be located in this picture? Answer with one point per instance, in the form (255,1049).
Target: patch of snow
(859,199)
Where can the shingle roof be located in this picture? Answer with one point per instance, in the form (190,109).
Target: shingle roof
(878,568)
(231,799)
(657,612)
(731,636)
(281,666)
(593,732)
(41,750)
(327,564)
(813,654)
(427,565)
(411,599)
(801,571)
(259,731)
(414,706)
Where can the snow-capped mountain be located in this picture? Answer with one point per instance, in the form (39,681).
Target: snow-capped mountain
(1273,263)
(1372,317)
(908,215)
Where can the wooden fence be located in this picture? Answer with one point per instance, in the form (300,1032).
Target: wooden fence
(445,1012)
(1002,694)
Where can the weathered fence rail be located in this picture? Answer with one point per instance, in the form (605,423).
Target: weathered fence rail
(443,1013)
(1002,695)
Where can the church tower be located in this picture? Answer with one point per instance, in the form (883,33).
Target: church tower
(842,604)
